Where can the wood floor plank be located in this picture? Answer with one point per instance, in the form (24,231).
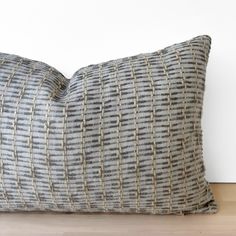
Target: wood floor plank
(222,223)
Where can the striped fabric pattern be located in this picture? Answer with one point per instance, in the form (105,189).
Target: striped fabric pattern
(121,136)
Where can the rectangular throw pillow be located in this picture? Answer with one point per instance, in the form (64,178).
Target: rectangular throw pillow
(120,136)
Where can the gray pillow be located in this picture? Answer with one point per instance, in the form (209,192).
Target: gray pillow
(120,136)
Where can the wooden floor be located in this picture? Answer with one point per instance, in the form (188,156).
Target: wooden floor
(222,223)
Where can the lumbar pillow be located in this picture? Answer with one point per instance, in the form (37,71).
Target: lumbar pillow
(120,136)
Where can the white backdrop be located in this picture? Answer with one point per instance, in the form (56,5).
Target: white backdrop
(69,34)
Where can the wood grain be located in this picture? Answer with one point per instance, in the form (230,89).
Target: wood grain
(222,223)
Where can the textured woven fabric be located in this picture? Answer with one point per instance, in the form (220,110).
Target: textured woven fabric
(120,136)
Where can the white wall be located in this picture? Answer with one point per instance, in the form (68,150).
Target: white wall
(69,34)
